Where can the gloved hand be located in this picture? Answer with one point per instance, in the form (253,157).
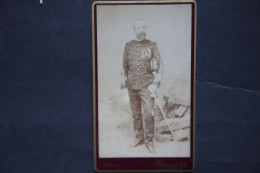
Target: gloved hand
(152,89)
(123,83)
(157,78)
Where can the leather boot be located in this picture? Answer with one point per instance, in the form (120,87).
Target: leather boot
(149,146)
(138,142)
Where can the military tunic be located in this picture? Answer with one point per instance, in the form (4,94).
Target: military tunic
(136,67)
(136,64)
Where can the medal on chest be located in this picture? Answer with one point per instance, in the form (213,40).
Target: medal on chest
(147,53)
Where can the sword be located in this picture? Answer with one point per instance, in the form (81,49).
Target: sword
(164,116)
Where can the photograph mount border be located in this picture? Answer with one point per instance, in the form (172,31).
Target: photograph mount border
(112,164)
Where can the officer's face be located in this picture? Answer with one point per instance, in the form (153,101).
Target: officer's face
(140,30)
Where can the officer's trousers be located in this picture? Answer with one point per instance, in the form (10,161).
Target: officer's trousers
(142,105)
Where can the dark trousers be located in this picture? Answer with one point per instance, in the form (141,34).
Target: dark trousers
(142,105)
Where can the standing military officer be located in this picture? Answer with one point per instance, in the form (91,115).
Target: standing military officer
(141,75)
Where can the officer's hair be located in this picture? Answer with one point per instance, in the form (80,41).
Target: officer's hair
(137,21)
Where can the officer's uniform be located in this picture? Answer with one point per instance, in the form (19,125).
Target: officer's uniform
(136,68)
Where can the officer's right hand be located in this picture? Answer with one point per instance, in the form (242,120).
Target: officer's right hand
(123,83)
(123,86)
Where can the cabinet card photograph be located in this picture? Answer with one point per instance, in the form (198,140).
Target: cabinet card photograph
(144,85)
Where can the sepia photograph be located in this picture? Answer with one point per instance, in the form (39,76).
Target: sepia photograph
(144,73)
(144,80)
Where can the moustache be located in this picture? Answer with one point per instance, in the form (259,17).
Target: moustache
(141,34)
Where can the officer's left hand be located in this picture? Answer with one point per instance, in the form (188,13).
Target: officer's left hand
(152,89)
(157,78)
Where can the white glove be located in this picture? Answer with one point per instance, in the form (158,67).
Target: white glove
(152,89)
(123,83)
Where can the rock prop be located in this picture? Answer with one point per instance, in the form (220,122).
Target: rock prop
(177,110)
(178,118)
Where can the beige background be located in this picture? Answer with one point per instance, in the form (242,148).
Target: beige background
(167,25)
